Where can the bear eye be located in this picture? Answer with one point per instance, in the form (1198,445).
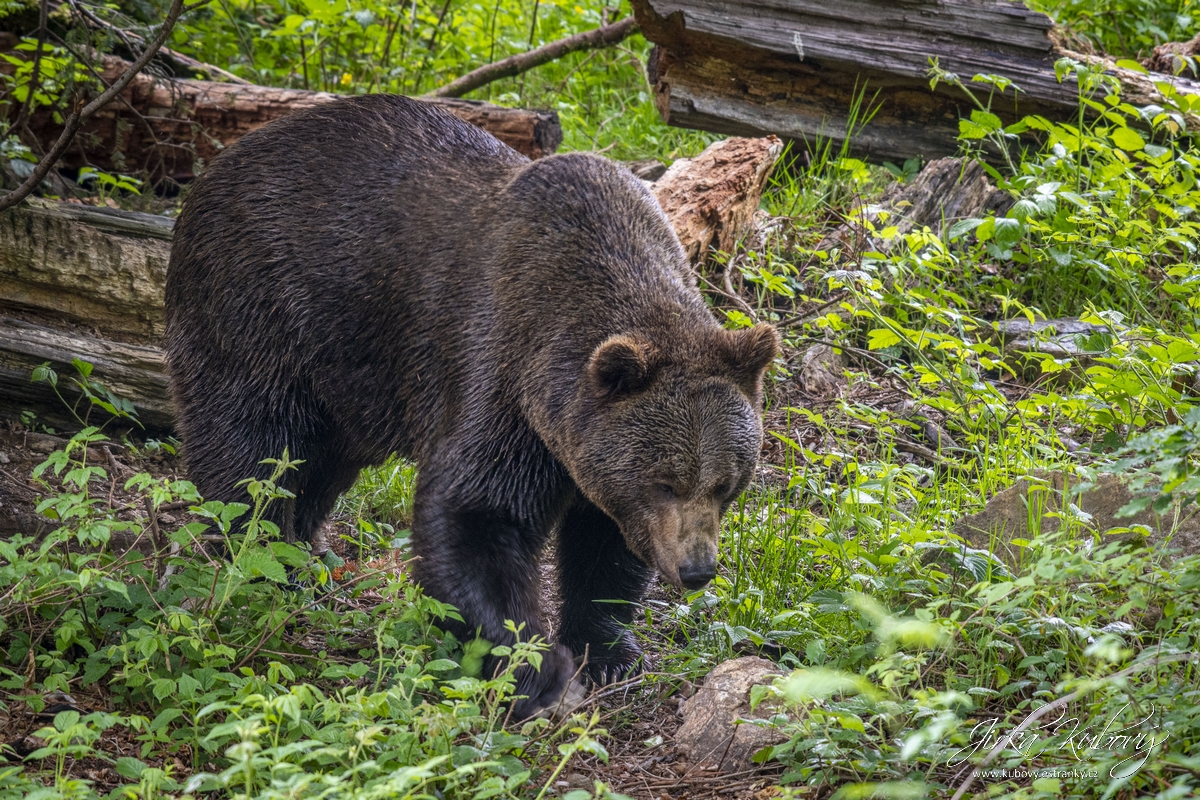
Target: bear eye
(665,490)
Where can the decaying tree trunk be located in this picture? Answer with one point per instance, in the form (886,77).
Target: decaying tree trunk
(77,281)
(165,125)
(711,199)
(95,268)
(134,372)
(944,192)
(794,69)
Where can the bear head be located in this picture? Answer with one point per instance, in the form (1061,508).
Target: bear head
(671,439)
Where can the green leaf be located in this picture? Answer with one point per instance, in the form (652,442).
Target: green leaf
(970,130)
(164,688)
(84,368)
(1128,63)
(288,554)
(260,562)
(880,338)
(851,723)
(1007,232)
(42,373)
(986,120)
(1128,139)
(131,768)
(963,226)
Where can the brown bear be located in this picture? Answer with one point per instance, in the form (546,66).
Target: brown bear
(374,276)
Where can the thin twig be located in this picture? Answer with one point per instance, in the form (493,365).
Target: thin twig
(77,118)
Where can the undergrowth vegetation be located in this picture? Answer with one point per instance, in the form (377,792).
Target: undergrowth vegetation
(204,657)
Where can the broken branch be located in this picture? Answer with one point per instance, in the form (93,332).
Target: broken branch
(76,119)
(523,62)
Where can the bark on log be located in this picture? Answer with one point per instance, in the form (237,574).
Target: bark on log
(945,191)
(793,69)
(91,267)
(77,281)
(134,372)
(711,199)
(165,125)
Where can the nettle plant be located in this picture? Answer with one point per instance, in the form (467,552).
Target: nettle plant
(234,654)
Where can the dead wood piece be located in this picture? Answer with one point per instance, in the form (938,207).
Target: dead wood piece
(134,372)
(794,69)
(169,127)
(945,191)
(91,267)
(605,36)
(711,199)
(1172,57)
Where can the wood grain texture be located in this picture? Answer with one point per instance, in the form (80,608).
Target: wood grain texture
(97,268)
(134,372)
(169,127)
(793,67)
(711,199)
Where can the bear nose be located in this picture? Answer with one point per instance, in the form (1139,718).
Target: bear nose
(696,575)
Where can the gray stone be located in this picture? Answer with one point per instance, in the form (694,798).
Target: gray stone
(822,373)
(1055,337)
(1008,515)
(710,733)
(44,443)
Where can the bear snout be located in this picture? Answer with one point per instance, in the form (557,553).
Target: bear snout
(684,544)
(696,574)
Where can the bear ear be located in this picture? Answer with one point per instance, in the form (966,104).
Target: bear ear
(621,365)
(749,352)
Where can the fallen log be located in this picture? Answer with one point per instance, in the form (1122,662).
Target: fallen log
(944,192)
(168,127)
(796,69)
(133,372)
(94,268)
(78,281)
(711,199)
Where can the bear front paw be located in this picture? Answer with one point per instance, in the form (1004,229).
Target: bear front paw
(545,688)
(610,662)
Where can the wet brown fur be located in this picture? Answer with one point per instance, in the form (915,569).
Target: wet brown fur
(374,276)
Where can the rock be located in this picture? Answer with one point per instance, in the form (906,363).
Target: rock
(710,734)
(822,373)
(44,443)
(4,459)
(1055,337)
(1007,515)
